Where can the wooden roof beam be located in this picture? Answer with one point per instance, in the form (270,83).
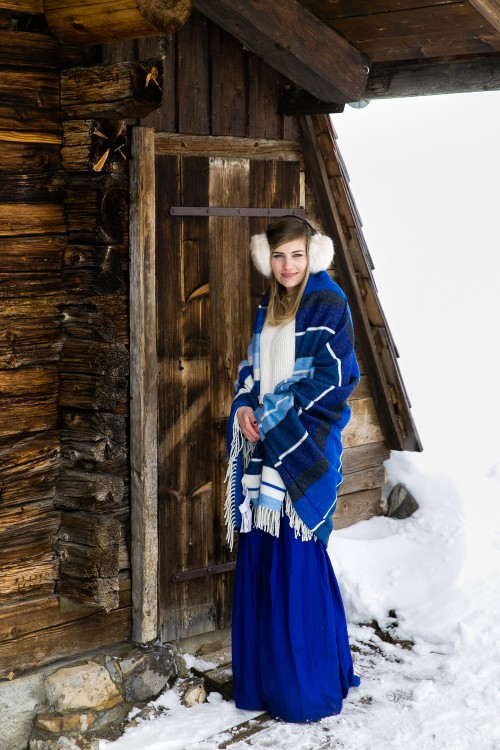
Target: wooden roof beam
(133,89)
(428,77)
(296,43)
(83,22)
(22,6)
(490,9)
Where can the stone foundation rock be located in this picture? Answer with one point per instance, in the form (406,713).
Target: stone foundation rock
(92,699)
(72,707)
(20,701)
(401,503)
(84,685)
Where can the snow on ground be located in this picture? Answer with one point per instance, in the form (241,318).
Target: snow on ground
(439,572)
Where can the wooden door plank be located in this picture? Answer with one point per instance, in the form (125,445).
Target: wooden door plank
(230,325)
(186,519)
(229,239)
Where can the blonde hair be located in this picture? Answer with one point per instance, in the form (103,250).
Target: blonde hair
(283,306)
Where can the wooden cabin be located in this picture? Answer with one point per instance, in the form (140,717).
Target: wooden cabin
(142,144)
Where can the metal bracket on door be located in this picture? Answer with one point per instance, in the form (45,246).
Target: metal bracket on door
(220,211)
(210,570)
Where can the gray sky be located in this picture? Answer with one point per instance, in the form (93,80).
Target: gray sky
(425,175)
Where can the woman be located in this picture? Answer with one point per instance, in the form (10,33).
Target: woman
(291,654)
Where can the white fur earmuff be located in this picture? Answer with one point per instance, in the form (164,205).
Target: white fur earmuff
(320,253)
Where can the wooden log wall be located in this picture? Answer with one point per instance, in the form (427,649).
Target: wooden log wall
(63,360)
(93,482)
(32,240)
(93,485)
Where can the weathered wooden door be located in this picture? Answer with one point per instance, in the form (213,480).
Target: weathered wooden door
(207,294)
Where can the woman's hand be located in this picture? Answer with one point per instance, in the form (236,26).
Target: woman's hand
(248,423)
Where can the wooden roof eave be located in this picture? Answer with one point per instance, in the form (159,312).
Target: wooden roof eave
(293,41)
(377,348)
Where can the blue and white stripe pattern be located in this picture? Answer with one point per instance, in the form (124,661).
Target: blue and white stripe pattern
(296,467)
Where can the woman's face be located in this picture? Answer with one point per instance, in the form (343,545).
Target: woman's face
(289,262)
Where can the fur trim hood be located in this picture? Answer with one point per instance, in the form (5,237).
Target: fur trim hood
(320,253)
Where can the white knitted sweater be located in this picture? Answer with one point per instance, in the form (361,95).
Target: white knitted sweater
(277,355)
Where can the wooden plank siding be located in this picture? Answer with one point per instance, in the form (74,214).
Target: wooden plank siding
(195,100)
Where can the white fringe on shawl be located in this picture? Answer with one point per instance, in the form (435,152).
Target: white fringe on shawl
(238,443)
(269,520)
(264,518)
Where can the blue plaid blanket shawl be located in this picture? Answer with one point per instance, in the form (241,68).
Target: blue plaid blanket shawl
(296,467)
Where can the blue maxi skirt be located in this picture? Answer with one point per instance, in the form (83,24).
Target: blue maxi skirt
(291,654)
